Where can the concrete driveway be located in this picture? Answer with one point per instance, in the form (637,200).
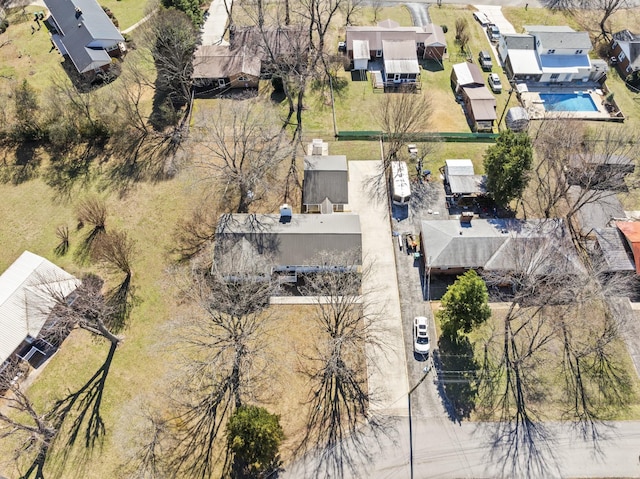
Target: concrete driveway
(494,12)
(419,13)
(387,366)
(216,23)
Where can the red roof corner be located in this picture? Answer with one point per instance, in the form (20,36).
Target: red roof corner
(631,231)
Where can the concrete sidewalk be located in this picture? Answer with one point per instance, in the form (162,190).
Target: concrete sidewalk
(387,366)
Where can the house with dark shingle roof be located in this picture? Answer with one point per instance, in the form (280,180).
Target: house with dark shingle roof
(83,32)
(325,185)
(614,250)
(455,246)
(266,246)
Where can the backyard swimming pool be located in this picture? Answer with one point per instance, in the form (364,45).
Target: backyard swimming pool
(568,102)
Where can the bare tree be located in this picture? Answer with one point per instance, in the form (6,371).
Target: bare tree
(87,308)
(462,33)
(605,8)
(401,116)
(36,431)
(350,8)
(91,211)
(556,303)
(116,249)
(242,151)
(222,369)
(62,232)
(578,167)
(339,398)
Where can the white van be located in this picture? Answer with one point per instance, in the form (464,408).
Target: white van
(400,186)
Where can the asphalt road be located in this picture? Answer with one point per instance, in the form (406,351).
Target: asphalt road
(442,449)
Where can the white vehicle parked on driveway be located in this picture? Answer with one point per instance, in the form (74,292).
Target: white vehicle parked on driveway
(421,343)
(495,83)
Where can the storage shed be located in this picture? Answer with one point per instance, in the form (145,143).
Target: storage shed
(360,54)
(466,74)
(517,119)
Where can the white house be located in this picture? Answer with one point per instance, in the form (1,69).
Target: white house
(547,54)
(27,295)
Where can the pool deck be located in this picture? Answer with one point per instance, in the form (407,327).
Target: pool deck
(534,105)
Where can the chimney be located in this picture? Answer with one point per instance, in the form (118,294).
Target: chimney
(466,217)
(285,213)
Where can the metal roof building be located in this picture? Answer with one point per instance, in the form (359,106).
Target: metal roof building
(26,299)
(400,57)
(461,178)
(483,244)
(466,74)
(615,252)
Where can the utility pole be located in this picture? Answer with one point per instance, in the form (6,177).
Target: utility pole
(424,376)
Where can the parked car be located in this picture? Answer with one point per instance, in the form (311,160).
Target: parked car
(481,18)
(493,32)
(495,83)
(421,335)
(342,47)
(485,60)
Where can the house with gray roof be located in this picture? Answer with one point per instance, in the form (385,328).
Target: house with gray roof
(28,289)
(82,31)
(365,43)
(599,171)
(325,184)
(461,181)
(597,208)
(614,250)
(251,53)
(268,246)
(625,52)
(455,246)
(218,66)
(547,54)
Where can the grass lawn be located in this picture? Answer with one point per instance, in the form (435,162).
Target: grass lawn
(545,366)
(127,12)
(29,56)
(145,362)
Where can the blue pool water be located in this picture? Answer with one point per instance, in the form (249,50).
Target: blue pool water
(568,102)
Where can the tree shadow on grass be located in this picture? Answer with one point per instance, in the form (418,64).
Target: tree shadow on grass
(121,299)
(457,368)
(65,172)
(143,156)
(24,167)
(88,425)
(335,432)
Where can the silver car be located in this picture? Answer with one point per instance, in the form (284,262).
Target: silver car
(495,83)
